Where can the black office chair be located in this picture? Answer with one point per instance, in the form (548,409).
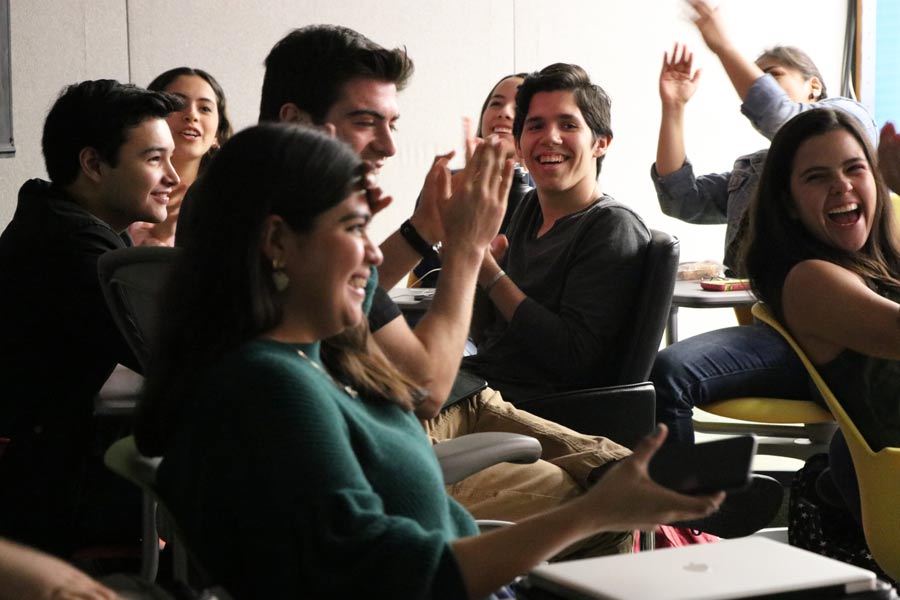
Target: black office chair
(132,280)
(626,410)
(641,339)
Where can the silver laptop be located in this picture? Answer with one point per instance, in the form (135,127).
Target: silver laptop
(750,567)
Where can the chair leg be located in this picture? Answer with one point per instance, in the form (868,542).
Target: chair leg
(647,540)
(150,541)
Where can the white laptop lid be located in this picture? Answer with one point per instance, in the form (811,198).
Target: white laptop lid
(739,568)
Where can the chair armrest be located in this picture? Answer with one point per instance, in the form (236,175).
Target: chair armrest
(622,413)
(468,454)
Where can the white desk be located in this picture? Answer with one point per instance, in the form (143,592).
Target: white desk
(412,299)
(689,294)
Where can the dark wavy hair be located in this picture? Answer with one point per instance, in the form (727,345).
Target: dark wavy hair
(221,293)
(778,240)
(97,114)
(310,65)
(223,132)
(593,102)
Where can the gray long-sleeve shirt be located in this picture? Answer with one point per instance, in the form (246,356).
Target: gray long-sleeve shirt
(580,279)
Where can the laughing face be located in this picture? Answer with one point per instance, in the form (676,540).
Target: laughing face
(337,254)
(365,116)
(833,190)
(497,118)
(557,145)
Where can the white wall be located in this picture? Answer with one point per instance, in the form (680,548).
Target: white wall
(460,49)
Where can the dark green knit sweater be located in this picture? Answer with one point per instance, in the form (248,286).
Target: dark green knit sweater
(288,487)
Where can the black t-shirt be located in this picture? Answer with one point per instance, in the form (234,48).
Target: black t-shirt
(383,311)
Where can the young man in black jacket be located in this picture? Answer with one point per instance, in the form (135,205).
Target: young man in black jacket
(107,150)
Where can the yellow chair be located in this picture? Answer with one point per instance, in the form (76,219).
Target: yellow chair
(772,418)
(878,473)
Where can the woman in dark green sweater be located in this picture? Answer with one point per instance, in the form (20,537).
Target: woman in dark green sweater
(295,479)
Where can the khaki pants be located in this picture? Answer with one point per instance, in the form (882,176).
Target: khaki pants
(510,492)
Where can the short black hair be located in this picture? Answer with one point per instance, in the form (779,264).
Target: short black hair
(97,114)
(593,102)
(310,65)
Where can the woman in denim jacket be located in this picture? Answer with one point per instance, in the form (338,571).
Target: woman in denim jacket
(735,361)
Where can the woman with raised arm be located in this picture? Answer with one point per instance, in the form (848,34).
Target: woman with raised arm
(296,477)
(737,361)
(199,129)
(824,254)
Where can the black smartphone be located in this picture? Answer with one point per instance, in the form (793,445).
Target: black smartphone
(705,468)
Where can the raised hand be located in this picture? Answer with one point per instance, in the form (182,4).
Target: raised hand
(709,23)
(475,210)
(677,82)
(427,216)
(889,156)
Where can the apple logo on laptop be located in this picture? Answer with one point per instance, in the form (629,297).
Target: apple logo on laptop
(696,567)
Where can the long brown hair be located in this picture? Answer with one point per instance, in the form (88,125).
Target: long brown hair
(222,295)
(778,240)
(355,354)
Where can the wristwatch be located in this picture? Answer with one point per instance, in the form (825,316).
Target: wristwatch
(416,241)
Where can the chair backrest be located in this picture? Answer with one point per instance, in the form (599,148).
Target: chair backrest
(623,413)
(124,459)
(876,472)
(132,280)
(641,339)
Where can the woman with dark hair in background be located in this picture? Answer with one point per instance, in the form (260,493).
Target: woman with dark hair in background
(297,478)
(199,129)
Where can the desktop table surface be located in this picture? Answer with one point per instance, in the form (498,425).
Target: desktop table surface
(689,294)
(412,299)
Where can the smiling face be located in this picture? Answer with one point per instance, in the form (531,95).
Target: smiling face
(833,189)
(365,116)
(557,146)
(792,81)
(329,266)
(194,128)
(497,118)
(138,187)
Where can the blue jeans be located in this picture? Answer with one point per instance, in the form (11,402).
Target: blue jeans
(745,361)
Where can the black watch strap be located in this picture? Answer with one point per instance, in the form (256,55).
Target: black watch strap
(416,241)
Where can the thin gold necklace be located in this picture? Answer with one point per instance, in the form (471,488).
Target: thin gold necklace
(350,391)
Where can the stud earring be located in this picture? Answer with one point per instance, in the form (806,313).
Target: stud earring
(279,277)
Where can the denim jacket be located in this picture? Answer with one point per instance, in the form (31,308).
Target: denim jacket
(768,107)
(724,197)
